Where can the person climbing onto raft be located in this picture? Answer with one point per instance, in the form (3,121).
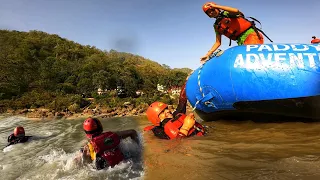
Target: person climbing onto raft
(231,23)
(103,147)
(315,40)
(168,125)
(18,136)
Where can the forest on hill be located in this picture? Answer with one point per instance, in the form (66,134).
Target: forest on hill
(44,70)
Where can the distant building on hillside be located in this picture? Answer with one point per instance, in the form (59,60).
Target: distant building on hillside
(174,90)
(161,88)
(139,93)
(100,91)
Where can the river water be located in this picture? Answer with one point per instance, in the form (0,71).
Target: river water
(231,150)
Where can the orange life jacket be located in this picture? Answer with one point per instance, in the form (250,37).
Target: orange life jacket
(315,41)
(172,127)
(234,26)
(107,146)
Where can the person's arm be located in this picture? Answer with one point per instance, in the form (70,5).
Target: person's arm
(182,106)
(216,45)
(83,155)
(231,10)
(9,143)
(10,138)
(129,133)
(188,123)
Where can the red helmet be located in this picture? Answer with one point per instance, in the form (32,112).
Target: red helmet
(92,127)
(207,6)
(154,110)
(18,131)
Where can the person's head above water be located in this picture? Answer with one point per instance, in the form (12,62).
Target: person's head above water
(19,131)
(157,112)
(313,37)
(92,127)
(210,10)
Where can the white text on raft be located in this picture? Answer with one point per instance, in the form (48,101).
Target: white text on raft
(279,56)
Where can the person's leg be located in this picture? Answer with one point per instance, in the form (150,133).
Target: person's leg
(254,39)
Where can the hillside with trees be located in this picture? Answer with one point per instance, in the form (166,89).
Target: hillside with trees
(44,70)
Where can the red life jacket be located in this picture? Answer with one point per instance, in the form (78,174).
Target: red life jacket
(172,127)
(106,145)
(315,41)
(234,26)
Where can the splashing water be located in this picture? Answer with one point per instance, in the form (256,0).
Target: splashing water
(51,152)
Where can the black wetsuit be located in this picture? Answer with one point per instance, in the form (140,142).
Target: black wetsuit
(158,131)
(14,140)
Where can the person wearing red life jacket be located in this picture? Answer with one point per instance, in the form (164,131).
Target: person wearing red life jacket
(103,147)
(315,40)
(231,23)
(18,136)
(168,125)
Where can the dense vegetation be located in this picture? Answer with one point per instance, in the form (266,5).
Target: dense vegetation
(43,70)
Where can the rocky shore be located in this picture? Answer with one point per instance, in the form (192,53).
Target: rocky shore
(101,112)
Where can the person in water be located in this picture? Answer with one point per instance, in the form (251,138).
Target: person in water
(168,125)
(18,136)
(231,23)
(315,40)
(103,147)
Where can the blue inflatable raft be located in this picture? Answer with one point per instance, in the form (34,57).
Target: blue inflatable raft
(268,79)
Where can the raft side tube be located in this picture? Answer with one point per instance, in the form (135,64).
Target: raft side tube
(259,78)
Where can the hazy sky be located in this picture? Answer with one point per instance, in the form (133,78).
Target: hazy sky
(172,32)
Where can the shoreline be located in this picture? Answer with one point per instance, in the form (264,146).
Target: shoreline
(98,112)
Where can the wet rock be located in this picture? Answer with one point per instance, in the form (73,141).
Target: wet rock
(134,112)
(141,111)
(126,104)
(10,111)
(23,111)
(128,109)
(50,115)
(59,114)
(105,110)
